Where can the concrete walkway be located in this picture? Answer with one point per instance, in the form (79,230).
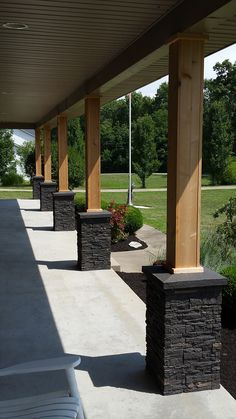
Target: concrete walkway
(134,260)
(47,307)
(204,188)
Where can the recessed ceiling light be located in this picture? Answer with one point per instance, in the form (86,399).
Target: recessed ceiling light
(7,93)
(15,25)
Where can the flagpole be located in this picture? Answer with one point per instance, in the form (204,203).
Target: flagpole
(130,156)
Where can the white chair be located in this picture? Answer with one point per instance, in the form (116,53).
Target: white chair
(49,405)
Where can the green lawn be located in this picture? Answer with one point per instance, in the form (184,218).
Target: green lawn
(15,194)
(156,215)
(121,181)
(26,187)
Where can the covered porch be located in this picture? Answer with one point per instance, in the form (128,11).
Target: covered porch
(50,309)
(61,60)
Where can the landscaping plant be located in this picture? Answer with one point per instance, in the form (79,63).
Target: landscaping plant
(229,292)
(118,212)
(227,229)
(133,220)
(218,250)
(12,179)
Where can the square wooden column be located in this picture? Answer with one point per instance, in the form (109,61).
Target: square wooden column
(47,188)
(47,154)
(62,153)
(186,60)
(93,226)
(38,178)
(63,200)
(93,154)
(38,163)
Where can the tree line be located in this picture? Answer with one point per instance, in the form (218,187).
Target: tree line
(149,134)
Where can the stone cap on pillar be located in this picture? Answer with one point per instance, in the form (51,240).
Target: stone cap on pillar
(168,281)
(94,214)
(96,217)
(69,195)
(48,184)
(37,177)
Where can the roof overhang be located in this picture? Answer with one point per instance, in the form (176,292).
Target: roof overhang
(133,62)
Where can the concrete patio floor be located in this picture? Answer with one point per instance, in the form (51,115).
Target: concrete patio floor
(48,307)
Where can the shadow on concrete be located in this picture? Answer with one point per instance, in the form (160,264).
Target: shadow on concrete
(68,265)
(27,327)
(40,228)
(29,209)
(122,371)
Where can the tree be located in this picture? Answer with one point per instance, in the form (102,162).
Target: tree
(161,97)
(26,152)
(144,150)
(217,140)
(160,118)
(223,87)
(76,169)
(7,162)
(76,153)
(107,145)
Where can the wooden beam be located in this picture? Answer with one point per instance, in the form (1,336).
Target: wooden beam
(186,59)
(38,156)
(17,125)
(47,154)
(62,153)
(93,153)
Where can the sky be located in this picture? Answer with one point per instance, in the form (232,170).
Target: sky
(227,53)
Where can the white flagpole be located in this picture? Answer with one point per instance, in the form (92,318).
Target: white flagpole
(130,166)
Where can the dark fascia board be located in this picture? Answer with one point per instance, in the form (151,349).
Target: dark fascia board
(183,16)
(17,125)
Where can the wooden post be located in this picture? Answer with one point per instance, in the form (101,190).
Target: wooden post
(38,163)
(47,154)
(62,153)
(92,119)
(186,60)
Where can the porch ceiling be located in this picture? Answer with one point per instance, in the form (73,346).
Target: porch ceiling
(101,47)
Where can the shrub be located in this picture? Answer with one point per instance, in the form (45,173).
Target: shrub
(218,250)
(215,253)
(80,203)
(229,292)
(230,173)
(11,179)
(117,222)
(124,220)
(133,220)
(227,230)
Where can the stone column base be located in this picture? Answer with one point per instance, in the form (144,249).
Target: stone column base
(183,332)
(46,197)
(63,211)
(36,180)
(94,240)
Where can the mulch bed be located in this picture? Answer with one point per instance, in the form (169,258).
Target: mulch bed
(123,245)
(137,282)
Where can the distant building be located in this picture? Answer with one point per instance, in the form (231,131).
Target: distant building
(20,136)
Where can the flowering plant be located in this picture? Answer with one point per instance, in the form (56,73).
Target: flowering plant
(117,222)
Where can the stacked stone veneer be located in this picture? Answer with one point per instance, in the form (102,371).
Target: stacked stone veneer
(46,195)
(63,211)
(36,181)
(183,330)
(94,240)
